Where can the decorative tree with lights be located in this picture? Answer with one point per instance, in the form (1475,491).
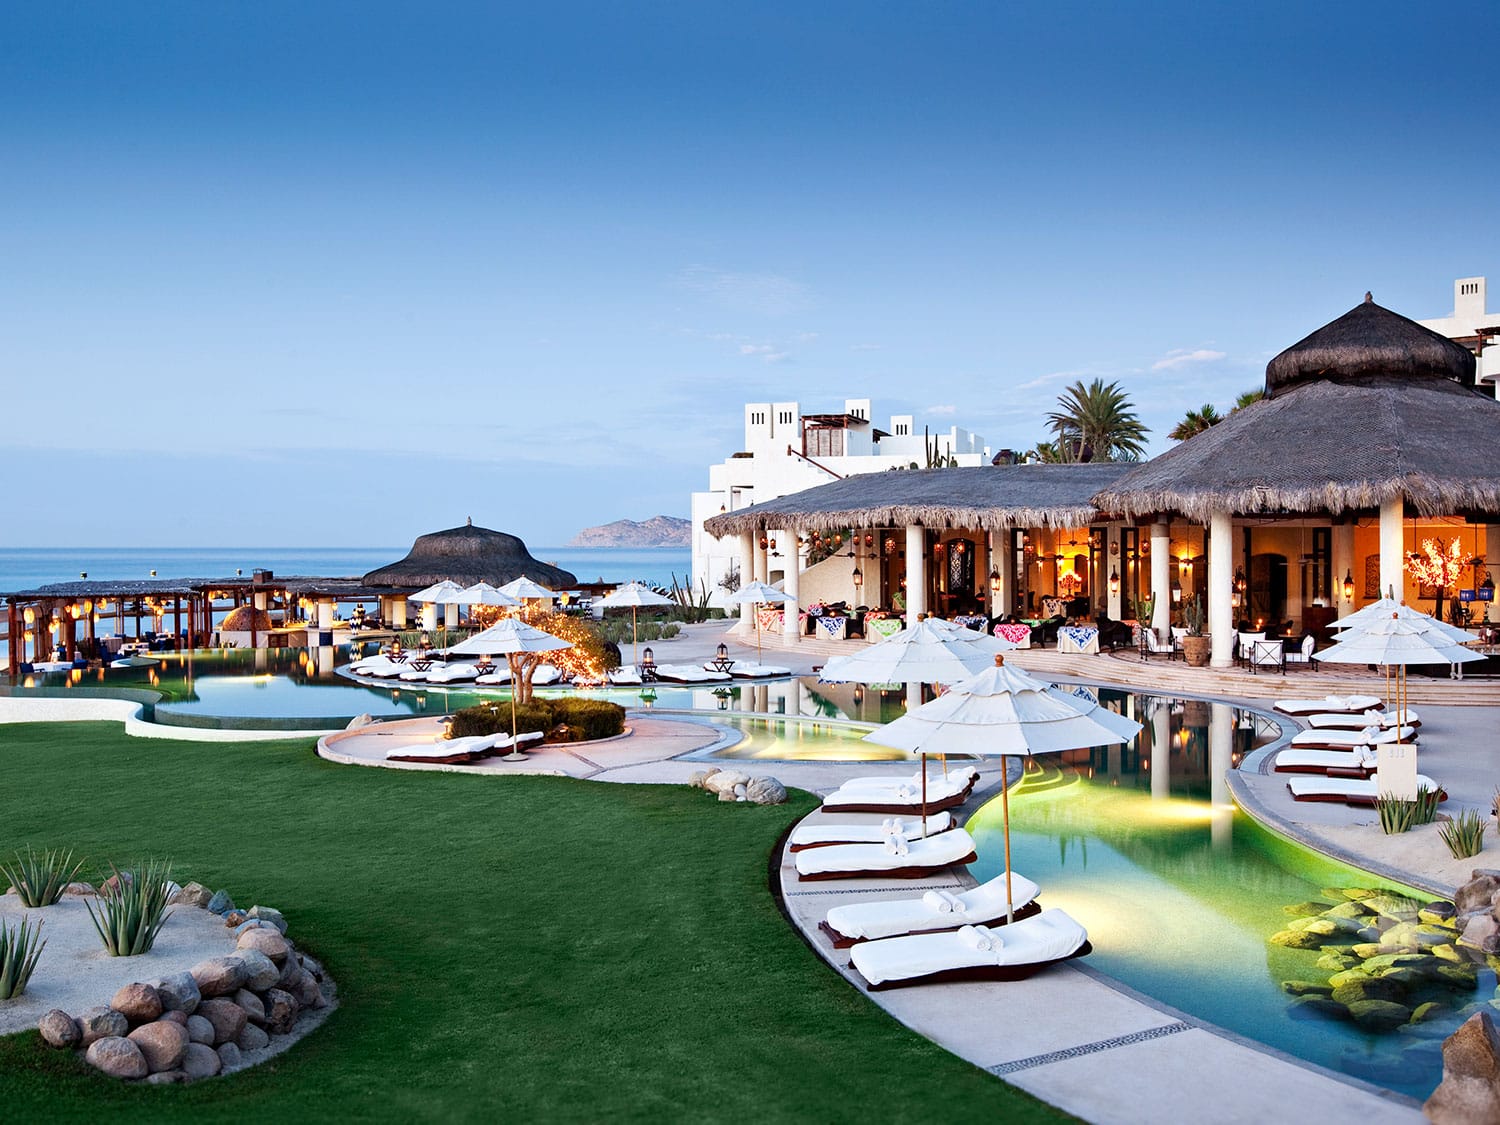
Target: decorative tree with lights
(1439,565)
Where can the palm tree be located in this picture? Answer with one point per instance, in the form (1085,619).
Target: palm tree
(1097,423)
(1194,422)
(1248,397)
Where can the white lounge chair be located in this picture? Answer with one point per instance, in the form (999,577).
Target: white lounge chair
(450,751)
(1340,763)
(626,675)
(908,828)
(899,859)
(1340,720)
(1348,739)
(743,671)
(934,912)
(412,676)
(903,798)
(501,675)
(971,953)
(897,781)
(546,674)
(1348,790)
(452,674)
(1349,704)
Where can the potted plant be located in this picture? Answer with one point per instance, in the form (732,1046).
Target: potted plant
(1196,647)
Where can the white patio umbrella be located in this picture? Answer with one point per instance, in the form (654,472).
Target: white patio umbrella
(758,593)
(1386,607)
(1000,712)
(445,592)
(634,595)
(511,637)
(527,590)
(482,593)
(1396,640)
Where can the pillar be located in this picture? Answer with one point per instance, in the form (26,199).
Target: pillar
(747,575)
(760,570)
(429,617)
(1220,762)
(1161,579)
(1161,751)
(1393,548)
(1492,561)
(916,574)
(398,613)
(790,625)
(1221,589)
(1112,557)
(1343,563)
(325,614)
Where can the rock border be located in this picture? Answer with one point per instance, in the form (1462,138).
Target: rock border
(223,1015)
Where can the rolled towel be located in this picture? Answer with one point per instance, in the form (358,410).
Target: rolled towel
(1365,755)
(1370,732)
(895,827)
(1373,717)
(937,902)
(907,792)
(888,825)
(955,904)
(900,842)
(977,937)
(1337,702)
(893,843)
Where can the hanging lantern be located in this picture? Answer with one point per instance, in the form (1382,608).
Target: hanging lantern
(762,542)
(1146,547)
(29,615)
(869,540)
(995,580)
(959,546)
(1349,585)
(859,577)
(890,545)
(1114,581)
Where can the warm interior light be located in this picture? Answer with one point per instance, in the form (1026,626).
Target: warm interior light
(1114,581)
(859,577)
(1349,586)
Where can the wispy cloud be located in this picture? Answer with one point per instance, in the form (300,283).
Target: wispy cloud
(1182,357)
(941,410)
(768,353)
(1044,380)
(768,294)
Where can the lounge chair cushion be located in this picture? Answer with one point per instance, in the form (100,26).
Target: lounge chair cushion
(983,904)
(905,793)
(908,827)
(1348,739)
(1050,936)
(1313,787)
(1349,720)
(1345,703)
(1361,758)
(942,850)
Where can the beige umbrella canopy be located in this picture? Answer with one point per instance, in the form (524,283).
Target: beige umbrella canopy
(466,555)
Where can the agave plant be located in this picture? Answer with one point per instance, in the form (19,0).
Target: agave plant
(1464,835)
(1426,806)
(41,878)
(1396,813)
(20,948)
(132,908)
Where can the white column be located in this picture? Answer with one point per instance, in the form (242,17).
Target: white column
(1112,566)
(1161,753)
(790,623)
(429,616)
(1161,579)
(1221,589)
(261,600)
(747,575)
(916,574)
(1393,548)
(762,570)
(398,613)
(1009,581)
(325,614)
(1343,563)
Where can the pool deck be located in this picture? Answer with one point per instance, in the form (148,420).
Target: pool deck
(1082,1042)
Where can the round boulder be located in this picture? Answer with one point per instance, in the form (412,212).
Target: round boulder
(162,1043)
(178,992)
(261,972)
(252,1038)
(268,940)
(139,1003)
(58,1029)
(117,1057)
(255,1011)
(219,976)
(1379,1015)
(200,1030)
(101,1023)
(281,1011)
(766,791)
(1296,939)
(227,1018)
(229,1056)
(199,1061)
(179,1018)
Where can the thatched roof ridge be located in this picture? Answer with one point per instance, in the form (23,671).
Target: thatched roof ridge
(988,498)
(1369,340)
(467,555)
(1331,446)
(245,619)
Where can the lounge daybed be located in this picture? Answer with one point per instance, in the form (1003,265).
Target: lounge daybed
(389,670)
(904,798)
(747,671)
(894,781)
(895,859)
(689,674)
(501,675)
(1339,720)
(546,674)
(1346,704)
(452,674)
(971,953)
(934,912)
(910,828)
(1348,739)
(1359,762)
(1349,790)
(413,676)
(626,675)
(451,751)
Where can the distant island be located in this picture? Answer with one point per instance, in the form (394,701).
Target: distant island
(658,531)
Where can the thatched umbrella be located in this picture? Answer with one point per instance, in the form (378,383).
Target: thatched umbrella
(1369,408)
(467,555)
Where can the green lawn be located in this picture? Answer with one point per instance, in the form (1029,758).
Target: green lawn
(514,948)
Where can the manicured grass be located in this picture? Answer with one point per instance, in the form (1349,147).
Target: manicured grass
(518,948)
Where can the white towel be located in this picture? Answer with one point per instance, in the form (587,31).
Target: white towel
(1370,732)
(907,792)
(955,904)
(936,902)
(895,827)
(1373,717)
(977,937)
(1337,702)
(1365,755)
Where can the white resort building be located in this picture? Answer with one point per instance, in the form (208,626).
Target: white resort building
(1475,328)
(787,451)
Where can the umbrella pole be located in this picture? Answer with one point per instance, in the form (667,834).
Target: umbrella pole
(515,686)
(1010,910)
(634,640)
(924,794)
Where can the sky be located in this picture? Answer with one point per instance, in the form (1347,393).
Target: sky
(343,273)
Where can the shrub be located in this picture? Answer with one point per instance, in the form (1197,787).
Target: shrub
(1464,835)
(132,908)
(585,718)
(589,718)
(19,952)
(41,878)
(670,630)
(1396,814)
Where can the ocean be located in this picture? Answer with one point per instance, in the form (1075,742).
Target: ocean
(25,568)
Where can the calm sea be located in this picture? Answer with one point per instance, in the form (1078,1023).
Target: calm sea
(25,568)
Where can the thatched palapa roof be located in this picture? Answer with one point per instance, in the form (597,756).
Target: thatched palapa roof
(246,619)
(988,498)
(1368,408)
(467,555)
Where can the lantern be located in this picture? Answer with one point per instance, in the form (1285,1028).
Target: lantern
(859,578)
(1114,581)
(1349,585)
(995,580)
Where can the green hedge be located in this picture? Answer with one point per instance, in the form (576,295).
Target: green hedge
(586,719)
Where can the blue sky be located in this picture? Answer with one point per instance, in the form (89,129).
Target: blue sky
(343,273)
